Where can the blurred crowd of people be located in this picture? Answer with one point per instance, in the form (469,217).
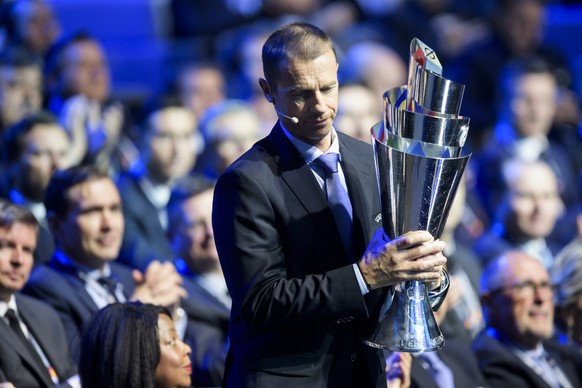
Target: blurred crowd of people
(123,191)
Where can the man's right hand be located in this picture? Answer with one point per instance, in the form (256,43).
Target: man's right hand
(412,256)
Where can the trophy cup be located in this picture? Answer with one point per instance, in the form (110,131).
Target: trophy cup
(417,150)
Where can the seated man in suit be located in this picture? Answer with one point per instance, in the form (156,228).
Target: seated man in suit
(208,304)
(169,145)
(526,215)
(518,306)
(33,149)
(84,212)
(33,345)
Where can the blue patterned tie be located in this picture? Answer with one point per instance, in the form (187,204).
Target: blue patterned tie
(338,200)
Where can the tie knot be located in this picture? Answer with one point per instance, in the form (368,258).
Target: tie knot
(108,283)
(329,162)
(11,315)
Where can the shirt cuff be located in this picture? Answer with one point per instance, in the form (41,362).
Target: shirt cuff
(363,286)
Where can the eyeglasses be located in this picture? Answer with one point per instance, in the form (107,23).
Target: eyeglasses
(527,289)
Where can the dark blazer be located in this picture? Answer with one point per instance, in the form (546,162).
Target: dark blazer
(298,312)
(206,334)
(44,324)
(458,356)
(502,368)
(144,239)
(65,291)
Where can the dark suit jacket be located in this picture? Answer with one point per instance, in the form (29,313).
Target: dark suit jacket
(144,239)
(44,324)
(206,334)
(502,368)
(458,356)
(65,291)
(298,311)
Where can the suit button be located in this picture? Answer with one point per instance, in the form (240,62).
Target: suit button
(353,356)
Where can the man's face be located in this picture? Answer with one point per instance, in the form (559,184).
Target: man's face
(202,88)
(308,90)
(171,144)
(194,237)
(534,104)
(36,24)
(17,244)
(358,112)
(234,134)
(535,207)
(85,71)
(20,93)
(44,151)
(92,230)
(524,314)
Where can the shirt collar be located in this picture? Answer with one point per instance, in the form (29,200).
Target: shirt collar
(310,153)
(88,271)
(11,304)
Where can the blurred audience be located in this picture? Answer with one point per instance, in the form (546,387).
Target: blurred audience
(463,318)
(192,237)
(84,212)
(78,86)
(20,85)
(526,214)
(367,62)
(133,345)
(515,350)
(517,32)
(566,275)
(33,345)
(527,110)
(31,24)
(169,147)
(229,129)
(359,109)
(34,149)
(200,85)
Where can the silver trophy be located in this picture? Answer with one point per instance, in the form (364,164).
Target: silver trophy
(417,149)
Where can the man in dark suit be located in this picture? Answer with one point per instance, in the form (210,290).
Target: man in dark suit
(514,350)
(302,295)
(84,211)
(208,304)
(168,149)
(33,345)
(33,149)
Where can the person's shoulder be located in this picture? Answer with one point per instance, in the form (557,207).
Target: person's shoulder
(45,280)
(40,307)
(257,158)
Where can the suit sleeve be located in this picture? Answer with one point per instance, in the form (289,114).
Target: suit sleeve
(247,226)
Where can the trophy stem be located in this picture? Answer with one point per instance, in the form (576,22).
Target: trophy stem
(409,324)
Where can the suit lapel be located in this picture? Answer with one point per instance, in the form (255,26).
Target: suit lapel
(8,335)
(300,180)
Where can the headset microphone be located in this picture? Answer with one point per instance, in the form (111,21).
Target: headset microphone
(293,119)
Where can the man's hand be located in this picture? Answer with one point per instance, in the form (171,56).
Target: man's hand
(398,366)
(412,256)
(160,284)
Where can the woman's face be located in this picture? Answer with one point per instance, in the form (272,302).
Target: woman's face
(174,368)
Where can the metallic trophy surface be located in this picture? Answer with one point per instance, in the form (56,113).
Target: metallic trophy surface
(417,150)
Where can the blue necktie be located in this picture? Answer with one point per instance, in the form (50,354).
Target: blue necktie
(440,372)
(338,200)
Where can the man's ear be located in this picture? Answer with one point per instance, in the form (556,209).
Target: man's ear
(266,88)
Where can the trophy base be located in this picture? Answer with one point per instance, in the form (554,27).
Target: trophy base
(410,347)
